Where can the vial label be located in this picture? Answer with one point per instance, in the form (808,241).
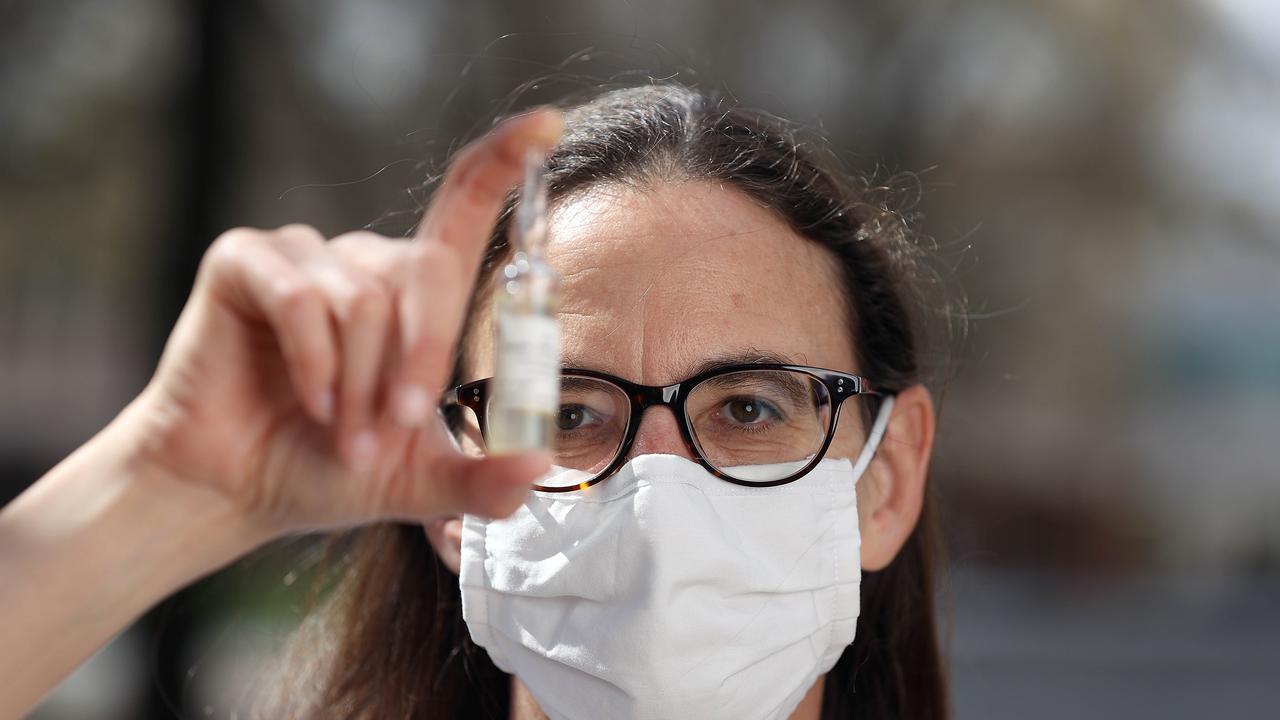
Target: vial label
(528,363)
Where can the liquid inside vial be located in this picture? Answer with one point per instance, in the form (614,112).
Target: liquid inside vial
(516,429)
(526,394)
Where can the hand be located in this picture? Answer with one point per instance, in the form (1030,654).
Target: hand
(302,377)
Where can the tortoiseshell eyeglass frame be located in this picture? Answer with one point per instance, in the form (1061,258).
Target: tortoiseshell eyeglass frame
(834,384)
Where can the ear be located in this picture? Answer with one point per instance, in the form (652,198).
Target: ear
(891,492)
(445,535)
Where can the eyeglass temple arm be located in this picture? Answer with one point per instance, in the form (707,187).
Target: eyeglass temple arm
(449,398)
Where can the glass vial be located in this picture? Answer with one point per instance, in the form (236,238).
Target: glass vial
(525,400)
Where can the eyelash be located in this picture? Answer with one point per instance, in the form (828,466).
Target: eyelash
(587,413)
(774,414)
(774,417)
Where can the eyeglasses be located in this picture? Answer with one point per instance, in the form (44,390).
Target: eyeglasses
(760,424)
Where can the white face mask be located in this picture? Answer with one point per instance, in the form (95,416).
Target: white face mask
(665,592)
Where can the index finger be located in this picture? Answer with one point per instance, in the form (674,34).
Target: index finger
(465,208)
(450,242)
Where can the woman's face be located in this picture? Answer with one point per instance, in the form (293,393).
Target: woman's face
(660,281)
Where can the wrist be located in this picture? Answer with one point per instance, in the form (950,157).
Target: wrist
(124,521)
(91,546)
(195,528)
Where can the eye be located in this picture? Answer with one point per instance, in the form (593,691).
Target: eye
(749,411)
(574,417)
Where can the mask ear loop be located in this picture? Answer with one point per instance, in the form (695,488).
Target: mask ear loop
(873,440)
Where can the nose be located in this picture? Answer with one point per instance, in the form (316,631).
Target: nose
(659,433)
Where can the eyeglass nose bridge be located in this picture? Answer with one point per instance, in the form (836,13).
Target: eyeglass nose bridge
(669,393)
(645,397)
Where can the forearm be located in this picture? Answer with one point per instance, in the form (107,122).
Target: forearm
(89,548)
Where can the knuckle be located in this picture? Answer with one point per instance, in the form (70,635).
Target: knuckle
(370,252)
(297,234)
(437,263)
(476,181)
(357,238)
(472,172)
(230,245)
(370,302)
(297,299)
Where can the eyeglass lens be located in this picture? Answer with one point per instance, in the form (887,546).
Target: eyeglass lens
(752,425)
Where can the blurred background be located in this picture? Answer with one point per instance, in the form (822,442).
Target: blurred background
(1101,180)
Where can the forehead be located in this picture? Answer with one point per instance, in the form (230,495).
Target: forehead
(658,280)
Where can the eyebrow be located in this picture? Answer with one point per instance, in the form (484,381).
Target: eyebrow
(795,389)
(714,362)
(745,357)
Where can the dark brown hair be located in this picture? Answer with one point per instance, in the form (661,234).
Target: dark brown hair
(391,639)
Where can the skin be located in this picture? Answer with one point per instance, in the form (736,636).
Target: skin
(295,394)
(657,280)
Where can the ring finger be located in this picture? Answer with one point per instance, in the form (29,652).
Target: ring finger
(363,313)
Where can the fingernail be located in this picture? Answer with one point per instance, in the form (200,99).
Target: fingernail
(364,450)
(324,405)
(549,126)
(411,406)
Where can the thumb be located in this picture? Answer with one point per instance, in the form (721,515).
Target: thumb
(492,487)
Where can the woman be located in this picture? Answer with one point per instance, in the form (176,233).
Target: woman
(699,244)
